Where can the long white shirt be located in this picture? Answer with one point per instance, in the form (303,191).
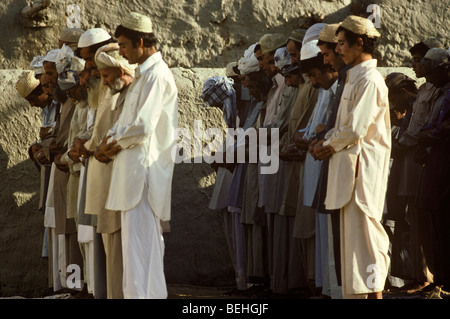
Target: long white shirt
(361,136)
(145,130)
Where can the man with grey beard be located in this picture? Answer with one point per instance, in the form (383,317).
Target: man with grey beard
(117,75)
(99,99)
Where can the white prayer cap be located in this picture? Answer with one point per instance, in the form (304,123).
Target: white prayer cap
(26,84)
(309,50)
(438,55)
(282,57)
(51,55)
(92,37)
(313,32)
(37,64)
(108,57)
(248,63)
(137,22)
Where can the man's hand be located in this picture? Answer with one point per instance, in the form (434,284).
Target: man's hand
(73,154)
(44,132)
(300,142)
(98,154)
(290,153)
(311,147)
(323,152)
(62,166)
(41,157)
(79,145)
(109,150)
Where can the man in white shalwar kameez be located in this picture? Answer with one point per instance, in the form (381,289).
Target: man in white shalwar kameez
(142,140)
(360,144)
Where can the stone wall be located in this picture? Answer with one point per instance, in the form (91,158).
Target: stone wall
(212,33)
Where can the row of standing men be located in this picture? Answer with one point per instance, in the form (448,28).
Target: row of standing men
(104,157)
(334,217)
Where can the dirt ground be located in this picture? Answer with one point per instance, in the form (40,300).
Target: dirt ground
(198,292)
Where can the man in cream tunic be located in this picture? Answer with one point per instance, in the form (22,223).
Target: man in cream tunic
(117,74)
(360,143)
(143,138)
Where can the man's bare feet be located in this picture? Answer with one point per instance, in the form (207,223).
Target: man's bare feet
(417,287)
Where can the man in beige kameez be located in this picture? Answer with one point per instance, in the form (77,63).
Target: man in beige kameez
(116,74)
(360,146)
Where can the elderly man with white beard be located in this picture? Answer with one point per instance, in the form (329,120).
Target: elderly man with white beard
(116,76)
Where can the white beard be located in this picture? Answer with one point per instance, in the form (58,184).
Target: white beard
(117,86)
(93,93)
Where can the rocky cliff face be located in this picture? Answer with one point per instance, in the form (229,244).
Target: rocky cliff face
(212,33)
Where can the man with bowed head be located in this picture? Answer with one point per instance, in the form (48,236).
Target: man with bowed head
(140,145)
(359,146)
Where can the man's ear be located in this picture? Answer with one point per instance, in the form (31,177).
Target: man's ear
(141,43)
(359,42)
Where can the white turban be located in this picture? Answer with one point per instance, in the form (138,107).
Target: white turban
(51,55)
(282,57)
(309,50)
(249,63)
(108,57)
(67,66)
(313,32)
(37,64)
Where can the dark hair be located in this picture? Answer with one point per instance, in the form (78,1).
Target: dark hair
(298,45)
(149,39)
(257,48)
(60,95)
(36,92)
(329,45)
(419,48)
(315,63)
(352,38)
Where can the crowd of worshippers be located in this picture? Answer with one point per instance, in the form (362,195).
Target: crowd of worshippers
(360,203)
(109,107)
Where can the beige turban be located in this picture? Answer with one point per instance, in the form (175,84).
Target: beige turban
(328,33)
(271,42)
(108,57)
(26,84)
(361,26)
(137,22)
